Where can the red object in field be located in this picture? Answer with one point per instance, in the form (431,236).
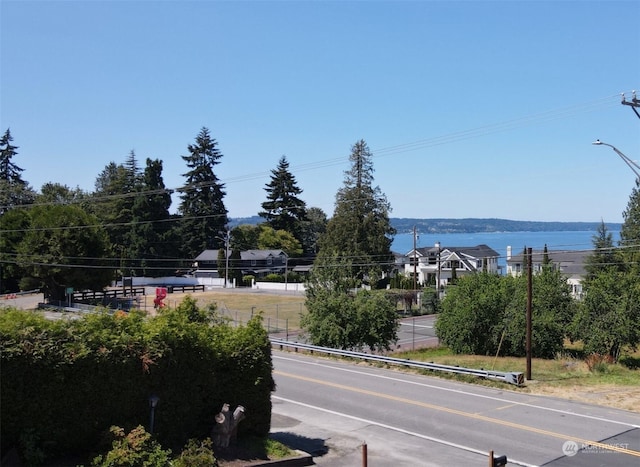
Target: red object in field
(161,294)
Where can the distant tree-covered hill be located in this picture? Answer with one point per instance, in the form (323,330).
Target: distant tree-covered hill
(469,225)
(405,225)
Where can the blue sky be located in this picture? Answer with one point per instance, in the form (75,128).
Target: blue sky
(471,109)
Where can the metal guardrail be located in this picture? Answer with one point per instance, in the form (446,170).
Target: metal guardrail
(516,378)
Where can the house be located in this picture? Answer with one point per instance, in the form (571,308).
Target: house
(571,264)
(258,263)
(439,264)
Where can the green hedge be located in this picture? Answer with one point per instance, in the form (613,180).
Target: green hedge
(65,383)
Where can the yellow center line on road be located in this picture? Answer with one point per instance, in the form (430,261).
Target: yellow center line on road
(461,413)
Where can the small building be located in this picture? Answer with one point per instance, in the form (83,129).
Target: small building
(439,264)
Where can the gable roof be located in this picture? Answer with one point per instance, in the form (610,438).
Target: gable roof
(478,251)
(249,255)
(256,255)
(570,262)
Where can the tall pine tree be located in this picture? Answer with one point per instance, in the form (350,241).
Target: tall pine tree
(284,210)
(14,191)
(116,189)
(204,215)
(150,227)
(360,230)
(630,231)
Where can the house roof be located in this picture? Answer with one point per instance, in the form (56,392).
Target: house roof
(261,254)
(207,255)
(570,261)
(212,255)
(478,251)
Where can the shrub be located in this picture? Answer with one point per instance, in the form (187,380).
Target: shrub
(106,366)
(135,449)
(196,454)
(598,363)
(247,281)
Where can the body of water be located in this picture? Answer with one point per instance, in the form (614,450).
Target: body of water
(499,241)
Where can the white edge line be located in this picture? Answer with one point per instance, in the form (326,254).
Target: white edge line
(466,393)
(400,430)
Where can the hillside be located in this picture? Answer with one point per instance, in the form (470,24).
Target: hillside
(469,225)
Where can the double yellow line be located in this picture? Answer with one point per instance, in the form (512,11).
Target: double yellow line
(474,416)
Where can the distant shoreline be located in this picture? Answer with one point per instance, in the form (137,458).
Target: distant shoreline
(470,225)
(479,225)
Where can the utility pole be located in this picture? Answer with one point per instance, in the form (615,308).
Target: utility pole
(529,255)
(634,103)
(226,240)
(415,264)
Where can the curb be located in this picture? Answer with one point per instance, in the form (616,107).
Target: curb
(302,459)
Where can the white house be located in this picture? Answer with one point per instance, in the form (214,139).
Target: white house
(438,264)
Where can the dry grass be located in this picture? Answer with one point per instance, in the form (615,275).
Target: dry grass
(279,310)
(612,385)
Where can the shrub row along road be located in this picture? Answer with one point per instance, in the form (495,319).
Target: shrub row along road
(331,408)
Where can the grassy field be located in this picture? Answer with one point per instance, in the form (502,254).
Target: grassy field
(279,311)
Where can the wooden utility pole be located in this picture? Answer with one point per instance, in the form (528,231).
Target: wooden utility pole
(529,255)
(415,264)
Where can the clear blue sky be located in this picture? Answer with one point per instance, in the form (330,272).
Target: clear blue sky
(471,109)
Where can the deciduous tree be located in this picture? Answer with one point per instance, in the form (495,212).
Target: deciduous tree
(64,247)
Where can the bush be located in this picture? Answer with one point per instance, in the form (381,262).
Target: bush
(247,281)
(135,449)
(273,278)
(107,365)
(196,454)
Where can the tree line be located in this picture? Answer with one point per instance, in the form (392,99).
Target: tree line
(63,237)
(60,237)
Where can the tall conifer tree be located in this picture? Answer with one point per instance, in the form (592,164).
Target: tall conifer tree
(360,229)
(284,210)
(202,206)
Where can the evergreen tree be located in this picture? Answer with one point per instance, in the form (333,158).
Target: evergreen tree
(56,193)
(150,230)
(360,228)
(14,191)
(604,256)
(630,231)
(283,210)
(116,189)
(9,171)
(204,215)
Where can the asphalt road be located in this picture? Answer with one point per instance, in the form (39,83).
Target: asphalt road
(332,409)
